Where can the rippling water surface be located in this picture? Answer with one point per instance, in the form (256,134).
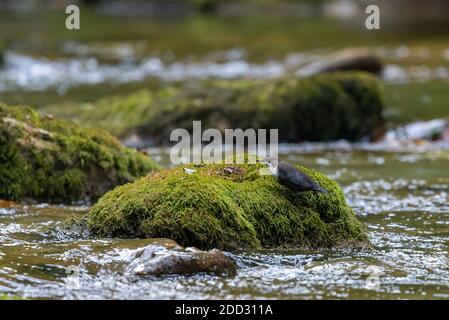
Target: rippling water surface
(23,72)
(401,197)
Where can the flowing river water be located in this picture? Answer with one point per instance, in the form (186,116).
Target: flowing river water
(401,197)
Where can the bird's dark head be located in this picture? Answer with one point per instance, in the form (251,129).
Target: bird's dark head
(270,161)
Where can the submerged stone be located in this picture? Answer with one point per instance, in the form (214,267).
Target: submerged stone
(319,108)
(51,160)
(165,257)
(214,207)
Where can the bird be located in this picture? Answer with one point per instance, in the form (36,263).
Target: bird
(291,177)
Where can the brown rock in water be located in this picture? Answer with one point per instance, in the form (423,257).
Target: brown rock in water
(345,60)
(166,257)
(7,204)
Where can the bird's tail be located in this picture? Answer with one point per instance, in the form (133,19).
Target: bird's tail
(320,189)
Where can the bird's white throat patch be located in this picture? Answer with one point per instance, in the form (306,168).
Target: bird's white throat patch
(273,170)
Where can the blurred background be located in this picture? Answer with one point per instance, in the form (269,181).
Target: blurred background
(126,45)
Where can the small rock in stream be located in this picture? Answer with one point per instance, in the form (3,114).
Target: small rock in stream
(166,257)
(344,60)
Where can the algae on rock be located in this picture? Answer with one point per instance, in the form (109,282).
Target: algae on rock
(319,108)
(213,208)
(45,159)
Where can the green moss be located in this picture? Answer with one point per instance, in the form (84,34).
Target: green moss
(58,161)
(211,208)
(319,108)
(7,297)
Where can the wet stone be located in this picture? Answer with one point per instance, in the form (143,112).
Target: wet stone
(166,257)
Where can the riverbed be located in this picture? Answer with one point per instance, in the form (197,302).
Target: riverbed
(401,197)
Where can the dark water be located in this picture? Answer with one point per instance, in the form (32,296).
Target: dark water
(401,197)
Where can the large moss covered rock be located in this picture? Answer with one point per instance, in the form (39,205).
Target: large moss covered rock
(58,161)
(319,108)
(227,208)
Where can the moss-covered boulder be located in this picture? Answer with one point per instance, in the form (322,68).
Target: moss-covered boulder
(216,207)
(53,160)
(319,108)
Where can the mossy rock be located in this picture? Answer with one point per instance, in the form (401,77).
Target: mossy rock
(51,160)
(319,108)
(213,208)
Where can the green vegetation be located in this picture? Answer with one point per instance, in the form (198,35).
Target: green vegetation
(6,297)
(185,36)
(319,108)
(199,35)
(216,207)
(58,161)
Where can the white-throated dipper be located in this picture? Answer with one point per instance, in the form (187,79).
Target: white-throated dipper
(291,177)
